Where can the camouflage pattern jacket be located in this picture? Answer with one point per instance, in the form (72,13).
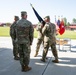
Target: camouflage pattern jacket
(39,29)
(12,31)
(49,32)
(24,31)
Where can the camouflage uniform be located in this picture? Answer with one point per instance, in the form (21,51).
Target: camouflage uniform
(40,38)
(24,39)
(13,36)
(49,31)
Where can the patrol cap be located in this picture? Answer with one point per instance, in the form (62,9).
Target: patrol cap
(23,13)
(48,17)
(16,17)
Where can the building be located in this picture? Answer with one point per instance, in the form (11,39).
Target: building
(72,26)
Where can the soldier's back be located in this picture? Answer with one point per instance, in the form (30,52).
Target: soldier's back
(23,29)
(49,33)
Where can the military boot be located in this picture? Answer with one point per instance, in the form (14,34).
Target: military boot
(43,60)
(16,58)
(56,56)
(26,68)
(55,61)
(23,68)
(36,54)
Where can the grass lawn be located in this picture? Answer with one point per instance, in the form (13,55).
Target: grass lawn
(4,31)
(68,34)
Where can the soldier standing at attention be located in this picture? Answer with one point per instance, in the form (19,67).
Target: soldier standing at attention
(24,39)
(49,32)
(40,38)
(13,36)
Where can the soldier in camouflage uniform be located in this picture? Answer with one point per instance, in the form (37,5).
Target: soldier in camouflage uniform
(24,39)
(40,38)
(13,36)
(49,32)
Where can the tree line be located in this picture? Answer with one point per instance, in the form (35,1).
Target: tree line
(68,23)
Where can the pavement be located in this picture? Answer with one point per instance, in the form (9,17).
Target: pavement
(9,66)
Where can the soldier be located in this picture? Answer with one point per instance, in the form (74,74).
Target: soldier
(49,32)
(40,38)
(24,39)
(13,36)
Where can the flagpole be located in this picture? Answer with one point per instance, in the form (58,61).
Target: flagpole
(37,15)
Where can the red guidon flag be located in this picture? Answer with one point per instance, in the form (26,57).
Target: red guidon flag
(61,27)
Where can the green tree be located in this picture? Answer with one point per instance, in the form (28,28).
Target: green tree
(8,24)
(65,21)
(74,20)
(68,24)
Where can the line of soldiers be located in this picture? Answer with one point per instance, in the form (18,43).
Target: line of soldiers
(22,34)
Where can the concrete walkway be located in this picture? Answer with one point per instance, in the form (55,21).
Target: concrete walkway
(9,66)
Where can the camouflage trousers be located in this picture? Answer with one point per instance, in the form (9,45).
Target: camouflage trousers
(38,44)
(15,49)
(53,48)
(24,53)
